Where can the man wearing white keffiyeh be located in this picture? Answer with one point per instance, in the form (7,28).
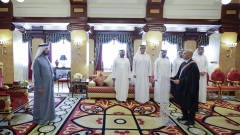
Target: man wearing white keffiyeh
(202,62)
(43,108)
(121,75)
(142,71)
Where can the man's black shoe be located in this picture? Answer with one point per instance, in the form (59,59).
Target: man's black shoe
(181,118)
(189,123)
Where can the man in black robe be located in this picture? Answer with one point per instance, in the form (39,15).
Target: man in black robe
(186,88)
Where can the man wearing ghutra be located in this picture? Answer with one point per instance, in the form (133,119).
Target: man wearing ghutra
(142,73)
(161,68)
(202,62)
(121,76)
(43,107)
(177,62)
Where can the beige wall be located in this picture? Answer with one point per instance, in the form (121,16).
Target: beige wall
(190,44)
(78,61)
(238,56)
(7,58)
(226,63)
(35,43)
(154,37)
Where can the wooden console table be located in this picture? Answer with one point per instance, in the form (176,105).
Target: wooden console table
(79,84)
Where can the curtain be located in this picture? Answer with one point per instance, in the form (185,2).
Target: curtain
(202,41)
(174,39)
(26,38)
(106,38)
(54,38)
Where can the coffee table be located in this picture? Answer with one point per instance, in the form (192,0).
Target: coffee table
(79,84)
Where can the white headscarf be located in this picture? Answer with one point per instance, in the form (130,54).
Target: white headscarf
(196,52)
(139,51)
(119,52)
(40,50)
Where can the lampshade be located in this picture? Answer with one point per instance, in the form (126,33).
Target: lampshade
(63,57)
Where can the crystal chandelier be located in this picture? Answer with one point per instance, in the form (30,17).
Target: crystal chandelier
(6,1)
(224,2)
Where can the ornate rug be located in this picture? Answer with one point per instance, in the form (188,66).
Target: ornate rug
(21,124)
(108,117)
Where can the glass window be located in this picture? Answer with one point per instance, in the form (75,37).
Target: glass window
(171,50)
(61,48)
(109,53)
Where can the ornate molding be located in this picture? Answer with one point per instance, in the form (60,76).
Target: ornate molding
(75,26)
(229,28)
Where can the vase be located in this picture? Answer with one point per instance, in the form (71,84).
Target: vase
(56,63)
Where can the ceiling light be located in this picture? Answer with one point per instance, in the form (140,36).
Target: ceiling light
(224,2)
(6,1)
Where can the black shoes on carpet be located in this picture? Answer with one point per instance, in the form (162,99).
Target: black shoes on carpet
(189,122)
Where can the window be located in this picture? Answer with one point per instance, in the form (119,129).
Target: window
(171,50)
(109,53)
(61,48)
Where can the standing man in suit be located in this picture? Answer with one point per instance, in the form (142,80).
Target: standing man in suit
(187,88)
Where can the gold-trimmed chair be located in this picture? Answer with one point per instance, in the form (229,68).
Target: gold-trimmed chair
(11,100)
(233,79)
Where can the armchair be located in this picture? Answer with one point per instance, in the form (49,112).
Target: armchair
(218,78)
(65,78)
(211,89)
(233,79)
(11,100)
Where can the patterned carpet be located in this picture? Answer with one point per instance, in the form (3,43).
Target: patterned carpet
(78,116)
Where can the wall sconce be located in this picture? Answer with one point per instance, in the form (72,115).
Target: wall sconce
(231,45)
(77,42)
(2,42)
(154,44)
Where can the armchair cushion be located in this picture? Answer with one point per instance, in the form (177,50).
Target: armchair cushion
(218,75)
(233,75)
(99,80)
(109,81)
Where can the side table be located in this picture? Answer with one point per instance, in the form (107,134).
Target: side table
(76,84)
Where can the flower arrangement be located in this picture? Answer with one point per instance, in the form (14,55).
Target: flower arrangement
(77,76)
(24,83)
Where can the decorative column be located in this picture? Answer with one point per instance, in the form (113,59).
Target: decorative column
(79,52)
(6,55)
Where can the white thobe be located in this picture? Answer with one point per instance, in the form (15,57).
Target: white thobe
(121,72)
(202,63)
(142,69)
(161,68)
(176,64)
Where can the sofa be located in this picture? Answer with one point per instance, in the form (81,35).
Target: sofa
(107,91)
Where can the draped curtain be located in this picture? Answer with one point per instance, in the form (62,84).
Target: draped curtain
(26,38)
(106,38)
(174,39)
(49,38)
(202,41)
(55,38)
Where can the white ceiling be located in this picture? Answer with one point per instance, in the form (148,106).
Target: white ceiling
(173,9)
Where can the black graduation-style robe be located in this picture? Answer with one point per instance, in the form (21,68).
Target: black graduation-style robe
(186,92)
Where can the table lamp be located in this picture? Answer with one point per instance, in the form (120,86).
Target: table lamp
(63,58)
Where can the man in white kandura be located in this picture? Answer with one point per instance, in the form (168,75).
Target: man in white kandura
(162,68)
(121,76)
(177,62)
(142,72)
(202,64)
